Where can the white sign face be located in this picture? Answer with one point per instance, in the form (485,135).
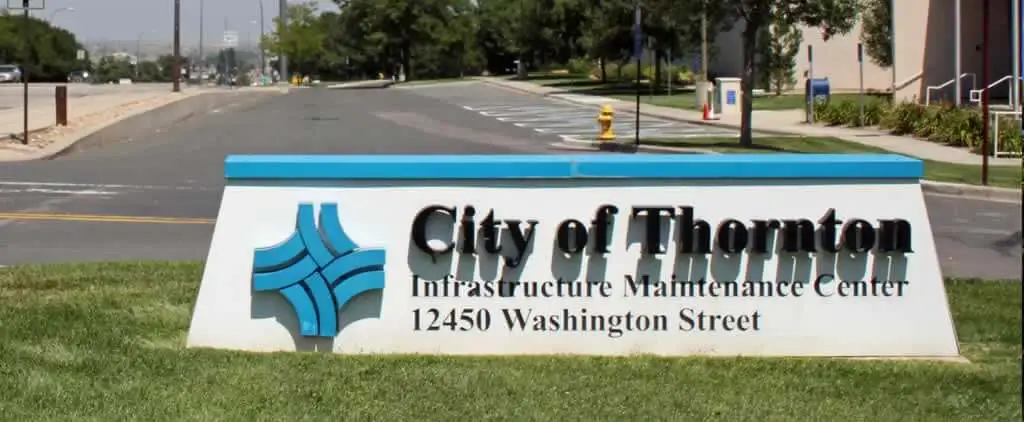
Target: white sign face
(80,55)
(230,39)
(566,267)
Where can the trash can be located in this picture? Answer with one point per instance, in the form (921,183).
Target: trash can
(819,88)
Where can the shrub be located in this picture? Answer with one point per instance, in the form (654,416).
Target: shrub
(1009,136)
(680,74)
(847,112)
(957,127)
(583,65)
(837,113)
(944,123)
(902,118)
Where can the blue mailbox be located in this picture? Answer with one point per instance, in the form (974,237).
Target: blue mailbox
(817,87)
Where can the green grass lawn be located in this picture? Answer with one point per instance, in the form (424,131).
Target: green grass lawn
(105,342)
(679,97)
(1001,176)
(688,100)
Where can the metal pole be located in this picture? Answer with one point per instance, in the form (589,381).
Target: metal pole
(282,27)
(176,70)
(860,96)
(1014,87)
(957,38)
(810,84)
(263,58)
(651,62)
(985,76)
(138,58)
(202,54)
(892,43)
(671,75)
(704,42)
(639,53)
(24,70)
(227,58)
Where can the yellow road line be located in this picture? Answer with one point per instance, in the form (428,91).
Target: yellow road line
(101,218)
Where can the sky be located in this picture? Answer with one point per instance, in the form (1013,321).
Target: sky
(124,20)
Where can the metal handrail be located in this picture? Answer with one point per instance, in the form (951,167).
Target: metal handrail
(976,93)
(908,81)
(928,91)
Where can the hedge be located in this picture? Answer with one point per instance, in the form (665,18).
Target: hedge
(682,75)
(944,124)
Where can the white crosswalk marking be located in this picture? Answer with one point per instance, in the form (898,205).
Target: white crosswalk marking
(574,121)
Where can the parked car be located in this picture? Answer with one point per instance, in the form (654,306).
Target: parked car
(10,73)
(79,76)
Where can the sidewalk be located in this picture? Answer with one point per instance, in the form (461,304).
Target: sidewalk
(85,116)
(788,122)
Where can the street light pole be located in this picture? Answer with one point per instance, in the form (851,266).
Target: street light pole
(202,55)
(24,68)
(957,35)
(176,69)
(138,52)
(704,41)
(263,60)
(282,27)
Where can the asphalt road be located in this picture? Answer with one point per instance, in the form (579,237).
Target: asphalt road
(155,197)
(570,121)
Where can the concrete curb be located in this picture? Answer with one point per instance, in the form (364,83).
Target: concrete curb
(942,188)
(362,85)
(972,191)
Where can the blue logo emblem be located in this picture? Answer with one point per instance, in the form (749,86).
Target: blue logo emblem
(318,270)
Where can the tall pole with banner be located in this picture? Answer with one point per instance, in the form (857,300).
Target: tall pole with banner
(638,49)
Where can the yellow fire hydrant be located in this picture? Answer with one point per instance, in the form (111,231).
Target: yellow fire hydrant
(604,121)
(295,80)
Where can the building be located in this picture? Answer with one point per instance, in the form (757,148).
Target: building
(925,52)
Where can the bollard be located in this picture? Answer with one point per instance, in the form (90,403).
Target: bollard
(604,121)
(61,99)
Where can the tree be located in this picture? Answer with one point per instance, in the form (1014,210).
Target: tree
(51,54)
(301,40)
(149,71)
(111,69)
(779,46)
(833,16)
(166,65)
(876,31)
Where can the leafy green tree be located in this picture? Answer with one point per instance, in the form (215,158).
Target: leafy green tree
(166,65)
(495,21)
(833,16)
(301,40)
(51,53)
(779,45)
(112,69)
(149,71)
(876,31)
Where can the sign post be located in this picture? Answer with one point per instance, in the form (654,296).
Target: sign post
(860,97)
(26,52)
(638,51)
(230,39)
(810,84)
